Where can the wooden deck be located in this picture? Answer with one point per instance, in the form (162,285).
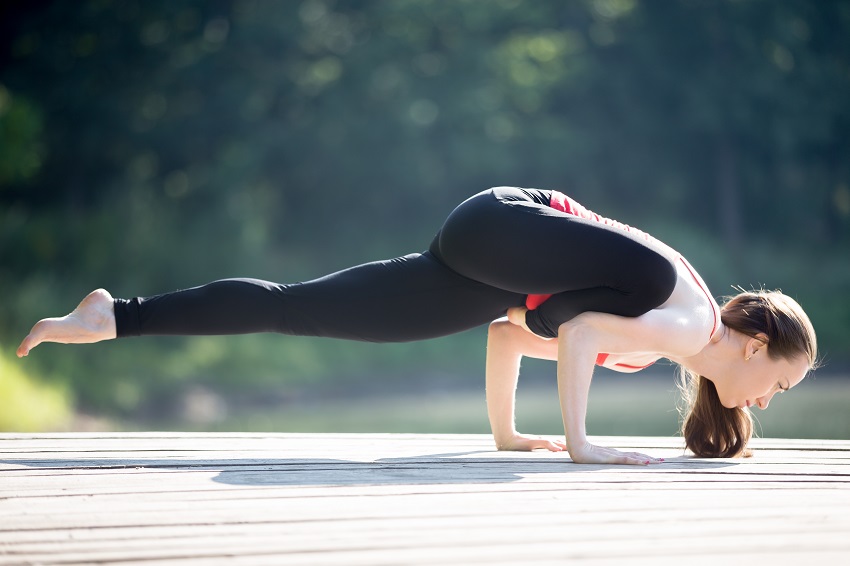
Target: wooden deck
(367,499)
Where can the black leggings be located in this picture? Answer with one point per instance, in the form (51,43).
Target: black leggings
(494,249)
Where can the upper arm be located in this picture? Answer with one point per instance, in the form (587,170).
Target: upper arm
(661,331)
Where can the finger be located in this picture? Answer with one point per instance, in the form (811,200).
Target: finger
(633,461)
(554,445)
(622,459)
(538,443)
(640,456)
(628,458)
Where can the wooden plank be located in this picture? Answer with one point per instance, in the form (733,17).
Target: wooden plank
(311,472)
(373,527)
(295,446)
(526,546)
(71,458)
(251,485)
(635,539)
(345,443)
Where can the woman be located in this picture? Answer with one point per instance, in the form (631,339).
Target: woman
(576,287)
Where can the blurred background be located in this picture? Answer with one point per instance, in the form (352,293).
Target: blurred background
(152,145)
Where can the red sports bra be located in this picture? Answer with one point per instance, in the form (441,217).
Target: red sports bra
(562,202)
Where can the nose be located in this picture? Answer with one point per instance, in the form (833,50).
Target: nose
(764,402)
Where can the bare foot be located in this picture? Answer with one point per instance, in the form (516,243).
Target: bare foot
(92,321)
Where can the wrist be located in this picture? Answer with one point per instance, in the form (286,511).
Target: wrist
(574,443)
(503,440)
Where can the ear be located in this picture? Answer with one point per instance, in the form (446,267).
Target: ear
(753,345)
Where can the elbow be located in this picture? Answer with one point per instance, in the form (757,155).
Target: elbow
(501,333)
(579,333)
(575,328)
(499,327)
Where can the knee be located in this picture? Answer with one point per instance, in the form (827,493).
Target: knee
(659,282)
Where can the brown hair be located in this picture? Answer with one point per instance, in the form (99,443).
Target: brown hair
(710,429)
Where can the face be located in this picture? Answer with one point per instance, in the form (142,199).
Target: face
(754,382)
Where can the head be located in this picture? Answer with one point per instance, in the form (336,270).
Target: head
(772,348)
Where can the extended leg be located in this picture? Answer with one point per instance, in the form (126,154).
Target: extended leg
(413,297)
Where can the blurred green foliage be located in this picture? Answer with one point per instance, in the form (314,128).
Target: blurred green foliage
(151,145)
(30,404)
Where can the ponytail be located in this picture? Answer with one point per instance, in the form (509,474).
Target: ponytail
(710,429)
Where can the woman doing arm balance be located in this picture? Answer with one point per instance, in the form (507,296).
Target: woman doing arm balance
(576,287)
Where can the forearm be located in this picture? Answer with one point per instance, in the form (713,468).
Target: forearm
(576,359)
(502,374)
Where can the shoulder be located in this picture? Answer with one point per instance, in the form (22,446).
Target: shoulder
(682,326)
(692,300)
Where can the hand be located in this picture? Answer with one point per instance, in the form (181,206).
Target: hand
(523,443)
(588,453)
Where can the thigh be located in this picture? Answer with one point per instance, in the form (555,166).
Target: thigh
(413,297)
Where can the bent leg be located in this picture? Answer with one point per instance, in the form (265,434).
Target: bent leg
(508,238)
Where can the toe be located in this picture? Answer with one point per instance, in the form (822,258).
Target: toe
(33,339)
(24,348)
